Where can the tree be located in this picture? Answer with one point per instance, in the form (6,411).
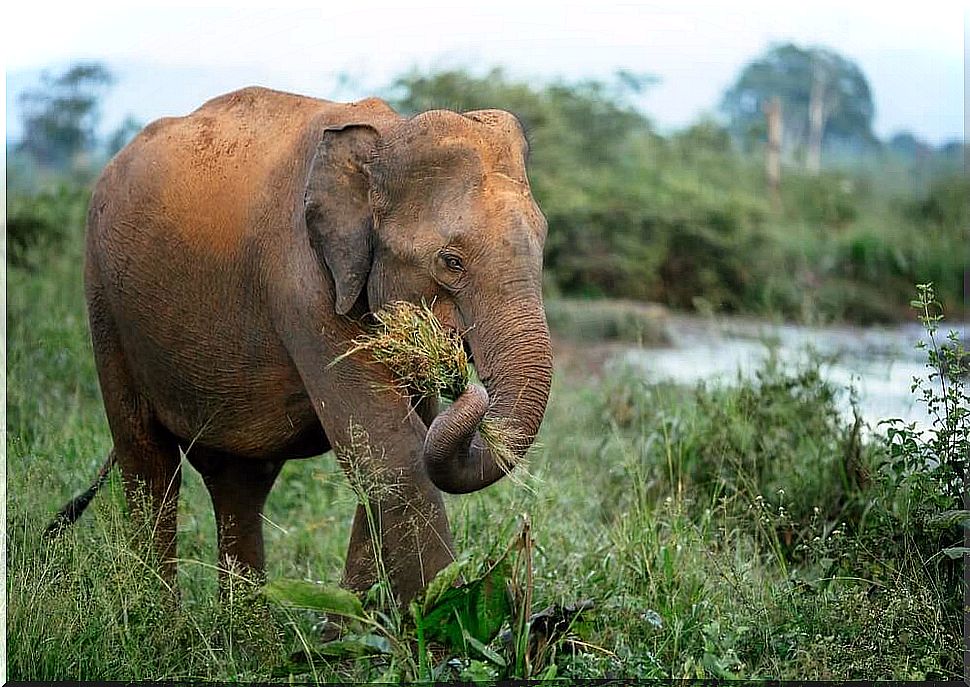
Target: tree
(825,100)
(122,135)
(60,117)
(907,144)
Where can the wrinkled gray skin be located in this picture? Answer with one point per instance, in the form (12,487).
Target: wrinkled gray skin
(234,252)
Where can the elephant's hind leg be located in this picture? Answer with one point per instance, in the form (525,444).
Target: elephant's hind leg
(238,488)
(144,450)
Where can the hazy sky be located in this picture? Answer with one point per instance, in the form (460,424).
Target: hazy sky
(171,59)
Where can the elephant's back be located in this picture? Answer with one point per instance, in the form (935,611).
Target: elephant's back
(202,190)
(201,179)
(176,217)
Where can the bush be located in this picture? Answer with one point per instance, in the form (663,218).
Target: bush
(829,200)
(777,442)
(946,203)
(582,320)
(40,222)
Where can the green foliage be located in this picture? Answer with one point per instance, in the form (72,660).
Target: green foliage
(752,524)
(599,320)
(830,200)
(935,466)
(314,597)
(451,620)
(945,204)
(777,445)
(61,115)
(38,223)
(476,609)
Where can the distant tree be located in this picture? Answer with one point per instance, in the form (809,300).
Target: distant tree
(122,135)
(907,144)
(825,99)
(954,156)
(704,134)
(635,83)
(61,115)
(955,148)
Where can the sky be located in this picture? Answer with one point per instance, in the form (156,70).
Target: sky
(171,59)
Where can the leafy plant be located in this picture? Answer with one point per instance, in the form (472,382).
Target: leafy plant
(37,224)
(932,465)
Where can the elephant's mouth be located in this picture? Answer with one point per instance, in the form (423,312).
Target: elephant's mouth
(465,344)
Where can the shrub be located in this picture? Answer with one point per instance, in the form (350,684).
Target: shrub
(40,222)
(627,321)
(946,203)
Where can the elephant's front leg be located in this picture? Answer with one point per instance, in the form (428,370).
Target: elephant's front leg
(400,526)
(400,531)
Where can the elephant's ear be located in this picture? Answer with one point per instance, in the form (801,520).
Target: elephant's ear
(338,211)
(500,119)
(503,121)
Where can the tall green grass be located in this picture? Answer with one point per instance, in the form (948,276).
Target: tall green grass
(743,531)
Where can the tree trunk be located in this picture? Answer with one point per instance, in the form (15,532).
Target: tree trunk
(816,123)
(772,110)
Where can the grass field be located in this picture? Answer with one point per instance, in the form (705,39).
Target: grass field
(735,532)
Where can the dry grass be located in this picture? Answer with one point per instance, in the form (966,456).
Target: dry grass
(425,358)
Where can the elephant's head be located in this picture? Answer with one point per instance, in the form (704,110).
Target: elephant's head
(439,207)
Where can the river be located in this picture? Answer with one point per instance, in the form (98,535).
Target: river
(879,362)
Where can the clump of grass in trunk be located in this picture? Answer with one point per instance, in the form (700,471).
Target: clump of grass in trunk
(429,359)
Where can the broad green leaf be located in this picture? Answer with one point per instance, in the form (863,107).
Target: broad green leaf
(478,608)
(550,673)
(485,651)
(950,517)
(478,671)
(354,646)
(441,583)
(314,597)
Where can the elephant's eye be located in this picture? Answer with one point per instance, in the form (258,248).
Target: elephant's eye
(452,262)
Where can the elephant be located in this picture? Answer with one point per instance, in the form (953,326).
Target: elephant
(231,254)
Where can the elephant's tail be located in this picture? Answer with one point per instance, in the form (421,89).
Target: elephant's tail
(72,509)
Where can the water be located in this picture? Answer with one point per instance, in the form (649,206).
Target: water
(880,362)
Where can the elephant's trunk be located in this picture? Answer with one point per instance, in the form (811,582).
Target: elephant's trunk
(513,357)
